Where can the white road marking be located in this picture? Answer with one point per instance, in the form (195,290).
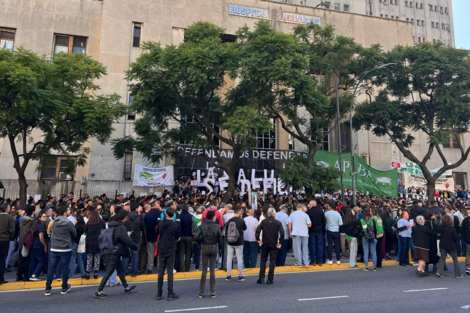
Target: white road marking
(323,298)
(197,309)
(417,290)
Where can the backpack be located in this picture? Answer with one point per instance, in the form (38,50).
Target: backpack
(232,233)
(369,232)
(106,242)
(28,241)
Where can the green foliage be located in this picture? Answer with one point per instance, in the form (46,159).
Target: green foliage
(55,98)
(315,179)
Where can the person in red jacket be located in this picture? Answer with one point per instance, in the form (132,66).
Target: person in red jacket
(218,216)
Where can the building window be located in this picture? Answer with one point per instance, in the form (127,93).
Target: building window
(435,8)
(128,166)
(381,15)
(453,143)
(337,6)
(7,38)
(442,10)
(131,114)
(327,5)
(386,15)
(407,19)
(419,39)
(396,18)
(137,35)
(58,168)
(421,6)
(413,20)
(345,7)
(393,17)
(460,180)
(406,3)
(70,44)
(443,26)
(267,140)
(432,25)
(446,11)
(411,4)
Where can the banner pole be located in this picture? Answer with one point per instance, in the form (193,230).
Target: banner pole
(338,126)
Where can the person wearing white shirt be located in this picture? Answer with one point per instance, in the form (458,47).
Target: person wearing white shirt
(250,249)
(333,222)
(299,223)
(282,217)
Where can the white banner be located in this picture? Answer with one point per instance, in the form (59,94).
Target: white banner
(153,177)
(442,183)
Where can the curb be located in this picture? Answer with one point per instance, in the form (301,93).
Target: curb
(187,275)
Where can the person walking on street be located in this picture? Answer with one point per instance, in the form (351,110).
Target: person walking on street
(7,234)
(169,233)
(282,217)
(447,245)
(209,235)
(422,238)
(234,229)
(315,235)
(134,226)
(121,242)
(61,249)
(299,223)
(271,242)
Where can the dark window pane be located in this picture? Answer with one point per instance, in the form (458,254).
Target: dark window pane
(7,35)
(62,41)
(136,40)
(79,45)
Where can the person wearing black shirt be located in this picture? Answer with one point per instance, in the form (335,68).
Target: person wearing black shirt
(235,245)
(273,237)
(315,236)
(447,245)
(169,235)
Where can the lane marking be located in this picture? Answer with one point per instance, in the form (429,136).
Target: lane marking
(417,290)
(323,298)
(197,309)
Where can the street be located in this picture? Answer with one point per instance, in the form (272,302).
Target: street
(390,289)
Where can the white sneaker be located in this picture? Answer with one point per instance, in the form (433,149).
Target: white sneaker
(339,262)
(329,262)
(174,271)
(35,278)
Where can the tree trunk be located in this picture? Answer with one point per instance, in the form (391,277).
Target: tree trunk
(23,189)
(232,183)
(431,188)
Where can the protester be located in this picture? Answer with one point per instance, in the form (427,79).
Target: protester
(333,224)
(379,235)
(466,239)
(315,235)
(151,222)
(186,242)
(234,230)
(422,238)
(169,233)
(271,242)
(282,217)
(447,245)
(121,242)
(299,223)
(369,239)
(63,232)
(352,230)
(27,228)
(7,235)
(93,229)
(134,226)
(39,249)
(209,235)
(404,229)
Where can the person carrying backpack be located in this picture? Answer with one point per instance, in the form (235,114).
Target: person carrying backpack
(369,240)
(234,229)
(113,243)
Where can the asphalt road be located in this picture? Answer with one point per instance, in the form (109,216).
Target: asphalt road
(390,289)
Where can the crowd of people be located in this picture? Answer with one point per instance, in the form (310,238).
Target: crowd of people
(59,238)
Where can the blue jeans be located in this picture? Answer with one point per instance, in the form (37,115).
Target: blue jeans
(315,241)
(37,261)
(282,253)
(135,258)
(250,253)
(404,248)
(301,249)
(62,259)
(76,260)
(369,246)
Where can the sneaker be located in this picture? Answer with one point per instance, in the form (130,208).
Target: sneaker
(460,276)
(467,271)
(174,271)
(158,297)
(129,289)
(172,297)
(66,290)
(338,262)
(100,295)
(86,276)
(260,281)
(375,269)
(439,275)
(241,278)
(366,269)
(35,278)
(269,282)
(47,293)
(297,264)
(200,296)
(214,296)
(329,262)
(58,279)
(228,278)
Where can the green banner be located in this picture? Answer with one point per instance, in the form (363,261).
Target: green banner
(368,179)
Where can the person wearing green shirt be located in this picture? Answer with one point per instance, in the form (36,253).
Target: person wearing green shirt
(379,235)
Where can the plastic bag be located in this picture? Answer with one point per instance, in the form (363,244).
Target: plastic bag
(82,244)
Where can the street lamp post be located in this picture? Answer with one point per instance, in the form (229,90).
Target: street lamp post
(353,167)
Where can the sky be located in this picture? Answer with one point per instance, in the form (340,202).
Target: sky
(461,10)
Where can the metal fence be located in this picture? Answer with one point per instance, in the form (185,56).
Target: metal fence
(14,193)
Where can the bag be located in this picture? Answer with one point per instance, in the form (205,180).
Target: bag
(368,228)
(105,241)
(28,241)
(82,244)
(232,233)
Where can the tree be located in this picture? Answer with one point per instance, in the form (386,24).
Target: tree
(190,84)
(55,98)
(426,90)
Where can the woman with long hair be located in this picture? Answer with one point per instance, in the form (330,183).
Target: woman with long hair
(80,227)
(39,249)
(379,235)
(93,229)
(433,222)
(349,226)
(447,245)
(369,243)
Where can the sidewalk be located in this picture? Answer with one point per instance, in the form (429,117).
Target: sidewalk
(191,275)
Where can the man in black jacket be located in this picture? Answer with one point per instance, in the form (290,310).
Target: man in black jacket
(210,237)
(417,209)
(169,235)
(273,237)
(121,242)
(135,226)
(315,235)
